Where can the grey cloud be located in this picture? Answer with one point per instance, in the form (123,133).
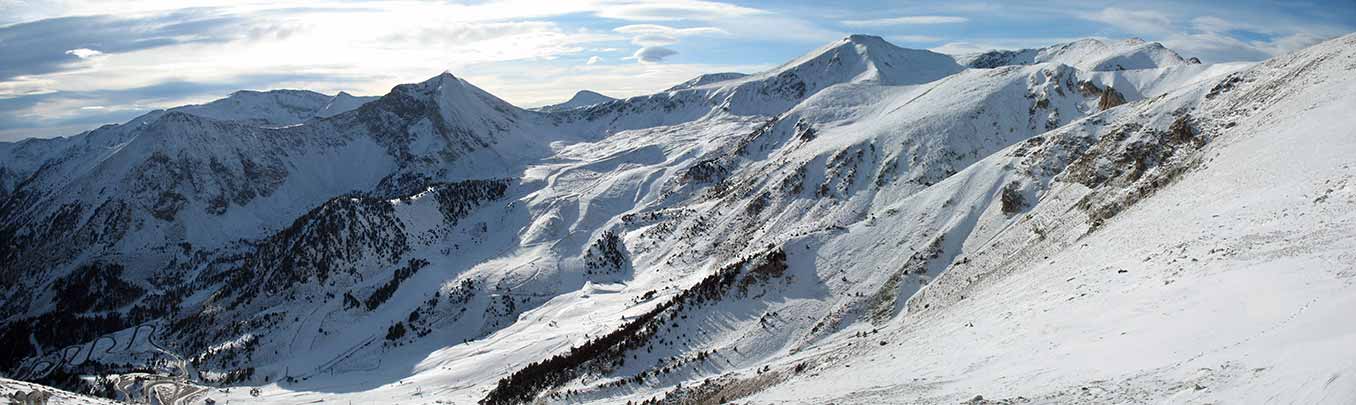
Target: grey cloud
(653,54)
(41,46)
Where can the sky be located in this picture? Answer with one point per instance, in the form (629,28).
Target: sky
(67,66)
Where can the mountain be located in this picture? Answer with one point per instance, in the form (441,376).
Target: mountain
(583,98)
(1126,229)
(856,59)
(1086,54)
(863,224)
(275,108)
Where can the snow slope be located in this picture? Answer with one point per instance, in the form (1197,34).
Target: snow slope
(11,388)
(745,237)
(1203,291)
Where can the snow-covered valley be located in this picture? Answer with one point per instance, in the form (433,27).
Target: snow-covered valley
(1093,222)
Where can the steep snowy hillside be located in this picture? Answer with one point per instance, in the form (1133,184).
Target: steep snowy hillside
(862,224)
(157,209)
(1192,248)
(583,98)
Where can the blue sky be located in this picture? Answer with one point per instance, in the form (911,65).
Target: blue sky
(68,66)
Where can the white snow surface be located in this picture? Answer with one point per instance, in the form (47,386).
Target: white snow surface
(53,396)
(1223,273)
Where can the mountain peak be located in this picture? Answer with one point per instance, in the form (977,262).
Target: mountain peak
(860,57)
(588,97)
(582,98)
(443,77)
(865,39)
(455,101)
(262,108)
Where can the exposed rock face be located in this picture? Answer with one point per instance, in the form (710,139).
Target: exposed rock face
(1106,97)
(1110,98)
(1012,198)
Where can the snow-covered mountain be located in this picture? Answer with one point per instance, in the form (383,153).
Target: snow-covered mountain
(583,98)
(862,224)
(1092,54)
(275,108)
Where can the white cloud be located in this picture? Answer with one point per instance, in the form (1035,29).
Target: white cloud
(676,10)
(652,54)
(1214,24)
(654,40)
(660,35)
(718,18)
(914,38)
(83,53)
(1212,47)
(640,29)
(1210,37)
(594,60)
(907,20)
(1140,21)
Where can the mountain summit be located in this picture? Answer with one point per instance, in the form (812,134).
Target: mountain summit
(868,58)
(582,98)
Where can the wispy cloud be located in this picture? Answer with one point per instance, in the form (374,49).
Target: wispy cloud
(907,20)
(58,44)
(677,10)
(1143,21)
(1210,37)
(914,38)
(660,35)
